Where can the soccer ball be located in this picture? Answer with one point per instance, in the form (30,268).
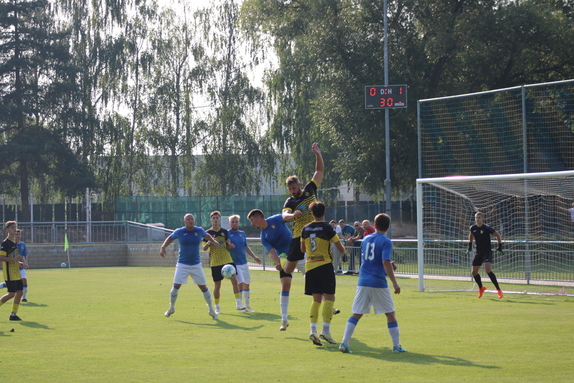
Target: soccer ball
(63,264)
(228,271)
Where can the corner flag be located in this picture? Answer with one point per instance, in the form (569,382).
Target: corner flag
(66,245)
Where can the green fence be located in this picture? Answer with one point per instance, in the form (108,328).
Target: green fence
(170,210)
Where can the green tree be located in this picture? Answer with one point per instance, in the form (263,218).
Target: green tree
(233,151)
(37,77)
(328,50)
(172,78)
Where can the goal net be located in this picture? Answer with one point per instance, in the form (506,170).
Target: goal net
(529,210)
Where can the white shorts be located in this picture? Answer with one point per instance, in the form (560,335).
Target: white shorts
(377,297)
(183,271)
(23,273)
(243,274)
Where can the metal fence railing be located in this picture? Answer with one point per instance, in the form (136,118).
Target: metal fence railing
(91,232)
(404,255)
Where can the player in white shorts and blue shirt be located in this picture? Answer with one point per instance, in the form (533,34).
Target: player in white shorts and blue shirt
(239,239)
(372,288)
(189,261)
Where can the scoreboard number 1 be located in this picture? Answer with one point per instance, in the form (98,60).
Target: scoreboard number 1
(385,96)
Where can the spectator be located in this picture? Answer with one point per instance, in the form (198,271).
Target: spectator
(346,230)
(354,245)
(368,228)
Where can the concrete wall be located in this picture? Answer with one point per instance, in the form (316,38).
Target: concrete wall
(105,255)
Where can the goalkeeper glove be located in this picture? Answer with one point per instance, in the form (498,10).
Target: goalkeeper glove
(499,249)
(469,248)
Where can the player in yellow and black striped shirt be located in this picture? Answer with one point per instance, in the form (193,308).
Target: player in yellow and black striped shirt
(220,256)
(320,282)
(296,208)
(11,269)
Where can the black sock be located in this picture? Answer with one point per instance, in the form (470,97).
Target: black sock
(478,280)
(493,279)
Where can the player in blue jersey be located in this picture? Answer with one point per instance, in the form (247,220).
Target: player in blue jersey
(276,239)
(189,261)
(239,239)
(23,251)
(481,232)
(372,288)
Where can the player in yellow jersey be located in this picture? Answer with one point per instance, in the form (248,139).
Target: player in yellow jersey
(296,209)
(320,282)
(11,269)
(220,256)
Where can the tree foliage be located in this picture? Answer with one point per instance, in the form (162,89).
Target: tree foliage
(37,77)
(328,50)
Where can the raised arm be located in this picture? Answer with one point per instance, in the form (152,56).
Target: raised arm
(319,164)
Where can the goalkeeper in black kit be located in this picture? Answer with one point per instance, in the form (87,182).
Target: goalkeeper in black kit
(481,234)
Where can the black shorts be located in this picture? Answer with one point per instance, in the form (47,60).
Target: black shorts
(216,272)
(283,274)
(14,286)
(481,258)
(320,280)
(295,253)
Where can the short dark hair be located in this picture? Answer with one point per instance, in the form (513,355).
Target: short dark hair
(255,213)
(382,222)
(216,212)
(318,209)
(292,180)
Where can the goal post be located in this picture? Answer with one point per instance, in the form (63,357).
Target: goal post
(529,210)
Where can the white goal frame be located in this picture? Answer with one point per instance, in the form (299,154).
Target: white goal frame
(436,182)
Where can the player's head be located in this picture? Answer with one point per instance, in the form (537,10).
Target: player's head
(333,223)
(234,222)
(10,225)
(215,218)
(342,223)
(317,209)
(382,222)
(189,220)
(294,186)
(18,233)
(366,223)
(256,217)
(478,217)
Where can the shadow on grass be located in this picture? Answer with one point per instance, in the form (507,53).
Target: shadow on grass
(222,324)
(34,325)
(360,349)
(524,302)
(32,304)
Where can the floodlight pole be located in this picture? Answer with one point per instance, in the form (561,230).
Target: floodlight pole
(387,132)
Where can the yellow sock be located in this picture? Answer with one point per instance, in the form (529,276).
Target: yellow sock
(238,296)
(328,311)
(15,308)
(314,312)
(216,301)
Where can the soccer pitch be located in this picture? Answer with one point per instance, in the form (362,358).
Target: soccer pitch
(107,325)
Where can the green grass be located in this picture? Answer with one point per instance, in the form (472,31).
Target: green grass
(107,325)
